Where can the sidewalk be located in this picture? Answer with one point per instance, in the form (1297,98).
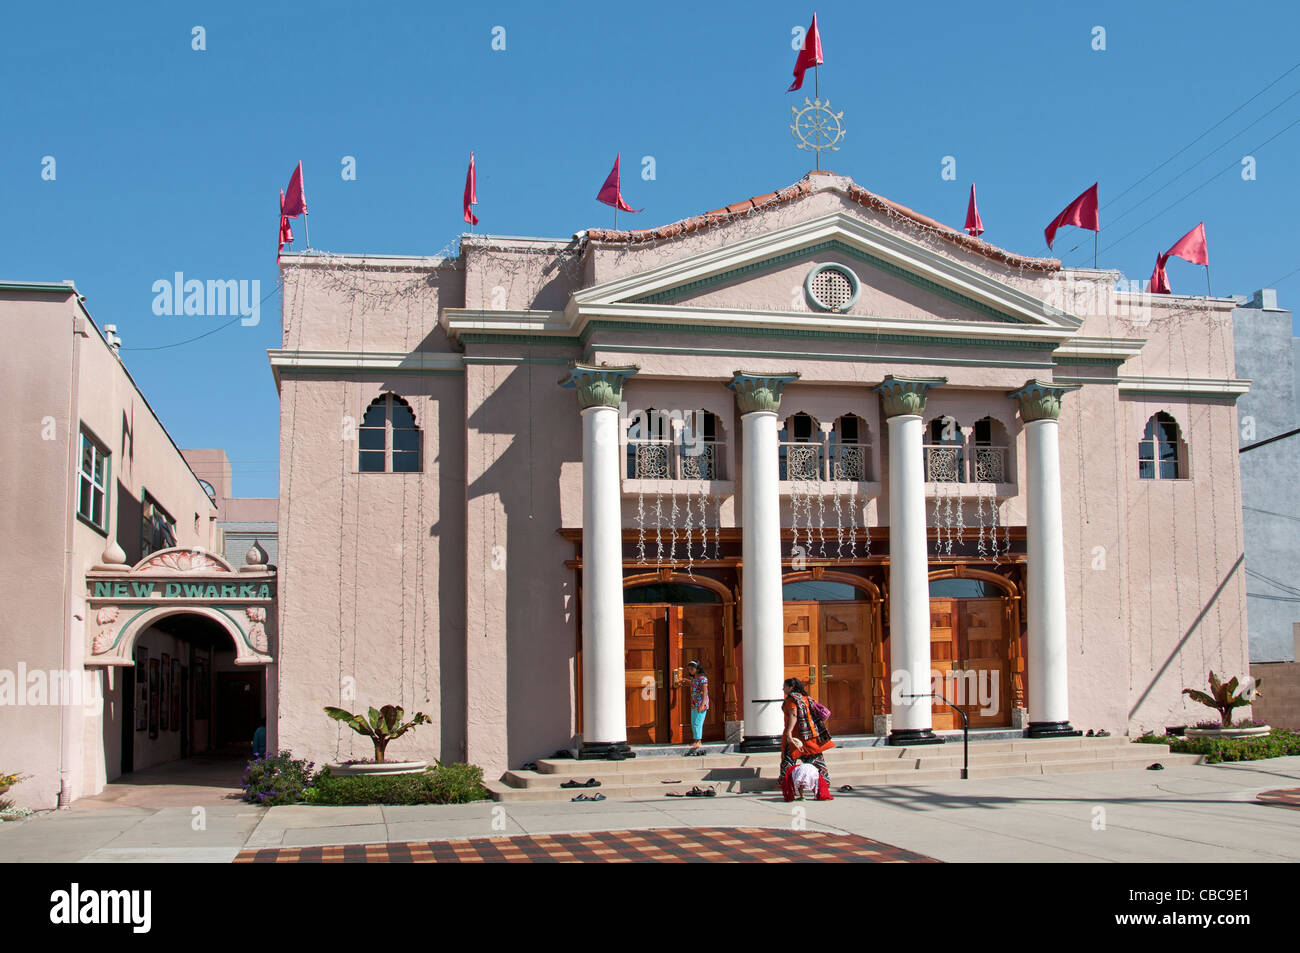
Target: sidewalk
(1187,813)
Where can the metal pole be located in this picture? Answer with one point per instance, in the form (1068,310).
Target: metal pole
(1208,292)
(817,97)
(1095,236)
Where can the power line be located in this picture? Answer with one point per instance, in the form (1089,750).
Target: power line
(238,317)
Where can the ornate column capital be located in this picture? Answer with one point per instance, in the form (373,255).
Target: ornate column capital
(906,395)
(598,386)
(1040,400)
(759,391)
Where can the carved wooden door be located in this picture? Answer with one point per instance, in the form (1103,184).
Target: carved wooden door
(645,645)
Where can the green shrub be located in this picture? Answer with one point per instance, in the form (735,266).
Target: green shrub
(277,779)
(1276,744)
(438,784)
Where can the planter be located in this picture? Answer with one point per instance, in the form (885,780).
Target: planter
(376,770)
(1228,732)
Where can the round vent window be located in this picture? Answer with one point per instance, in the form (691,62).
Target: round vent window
(832,288)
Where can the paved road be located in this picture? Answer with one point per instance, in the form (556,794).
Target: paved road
(1184,813)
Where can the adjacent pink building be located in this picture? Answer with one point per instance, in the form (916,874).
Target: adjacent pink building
(813,434)
(124,627)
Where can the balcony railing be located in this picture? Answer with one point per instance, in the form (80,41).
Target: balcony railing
(802,461)
(666,460)
(949,463)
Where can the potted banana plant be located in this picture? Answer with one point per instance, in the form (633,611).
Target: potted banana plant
(381,727)
(1226,697)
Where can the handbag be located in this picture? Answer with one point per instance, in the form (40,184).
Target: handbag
(821,711)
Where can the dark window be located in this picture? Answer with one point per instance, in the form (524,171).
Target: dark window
(821,590)
(157,528)
(388,439)
(963,589)
(671,592)
(1158,450)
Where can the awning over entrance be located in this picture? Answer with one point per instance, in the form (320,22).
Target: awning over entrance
(122,602)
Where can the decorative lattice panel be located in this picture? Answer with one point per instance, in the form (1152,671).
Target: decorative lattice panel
(850,463)
(990,465)
(803,461)
(651,462)
(831,289)
(942,464)
(700,466)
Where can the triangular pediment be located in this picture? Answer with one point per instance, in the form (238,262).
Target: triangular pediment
(905,286)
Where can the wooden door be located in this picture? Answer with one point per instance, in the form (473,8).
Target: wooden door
(695,632)
(645,643)
(982,649)
(843,653)
(943,652)
(800,626)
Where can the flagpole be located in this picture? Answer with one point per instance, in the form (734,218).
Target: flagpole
(1095,236)
(305,226)
(1208,292)
(817,95)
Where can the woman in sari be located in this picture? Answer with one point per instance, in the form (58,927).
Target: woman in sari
(804,740)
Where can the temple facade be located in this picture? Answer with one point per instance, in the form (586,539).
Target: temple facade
(813,434)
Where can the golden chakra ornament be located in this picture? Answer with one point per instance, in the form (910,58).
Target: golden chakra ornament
(817,127)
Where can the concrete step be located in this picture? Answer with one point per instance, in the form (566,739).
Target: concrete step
(1047,747)
(760,775)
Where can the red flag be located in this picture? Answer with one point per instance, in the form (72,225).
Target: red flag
(286,233)
(810,55)
(1082,212)
(1191,247)
(1159,283)
(295,199)
(471,192)
(973,223)
(610,193)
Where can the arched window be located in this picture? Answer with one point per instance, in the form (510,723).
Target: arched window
(388,439)
(1162,454)
(850,449)
(674,445)
(800,448)
(990,452)
(945,457)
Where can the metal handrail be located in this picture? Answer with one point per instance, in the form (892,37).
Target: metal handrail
(965,731)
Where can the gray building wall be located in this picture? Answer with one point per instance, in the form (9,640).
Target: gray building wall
(1265,351)
(238,539)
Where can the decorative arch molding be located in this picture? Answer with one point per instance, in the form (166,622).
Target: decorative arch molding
(381,395)
(682,579)
(965,572)
(818,574)
(184,559)
(121,651)
(1182,431)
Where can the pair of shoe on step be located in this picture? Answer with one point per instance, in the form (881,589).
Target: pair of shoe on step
(589,783)
(588,797)
(695,792)
(1099,733)
(695,753)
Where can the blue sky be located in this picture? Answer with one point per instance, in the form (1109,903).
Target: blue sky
(169,159)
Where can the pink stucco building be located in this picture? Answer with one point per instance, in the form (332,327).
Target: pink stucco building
(127,640)
(811,434)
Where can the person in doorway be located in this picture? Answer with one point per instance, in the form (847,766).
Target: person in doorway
(804,742)
(698,683)
(259,740)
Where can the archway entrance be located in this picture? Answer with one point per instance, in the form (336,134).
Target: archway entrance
(832,638)
(974,646)
(667,623)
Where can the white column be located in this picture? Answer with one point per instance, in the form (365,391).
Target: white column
(604,701)
(903,402)
(1049,689)
(604,706)
(761,603)
(909,575)
(758,399)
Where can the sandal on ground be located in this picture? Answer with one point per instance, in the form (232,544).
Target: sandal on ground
(1156,766)
(564,753)
(845,788)
(580,797)
(695,792)
(596,797)
(529,766)
(670,781)
(592,783)
(1103,733)
(1089,734)
(710,792)
(573,783)
(674,794)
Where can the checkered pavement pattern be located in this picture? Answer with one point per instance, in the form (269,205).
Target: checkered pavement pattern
(1283,797)
(702,845)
